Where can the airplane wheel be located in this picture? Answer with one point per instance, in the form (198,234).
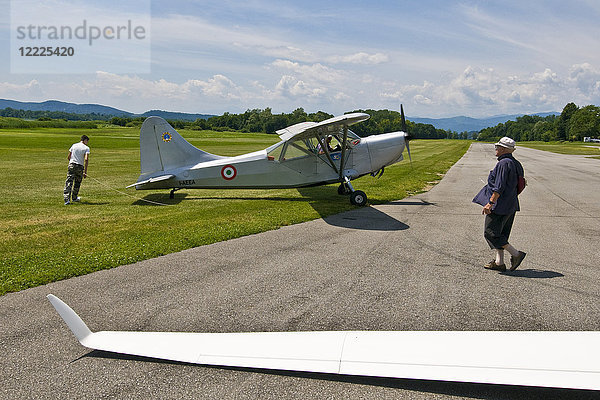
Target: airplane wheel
(343,189)
(358,198)
(172,194)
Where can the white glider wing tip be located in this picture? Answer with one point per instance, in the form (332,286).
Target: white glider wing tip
(546,359)
(73,321)
(151,180)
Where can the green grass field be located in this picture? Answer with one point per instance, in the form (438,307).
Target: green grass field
(42,241)
(580,148)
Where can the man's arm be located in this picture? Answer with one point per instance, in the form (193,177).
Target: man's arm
(69,156)
(85,164)
(487,209)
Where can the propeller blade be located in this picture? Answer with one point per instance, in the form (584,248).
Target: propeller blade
(402,118)
(407,137)
(404,128)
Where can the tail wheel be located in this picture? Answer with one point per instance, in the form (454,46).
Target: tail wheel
(358,198)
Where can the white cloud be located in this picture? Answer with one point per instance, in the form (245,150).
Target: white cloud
(587,79)
(288,86)
(313,72)
(197,33)
(475,92)
(24,91)
(360,58)
(484,92)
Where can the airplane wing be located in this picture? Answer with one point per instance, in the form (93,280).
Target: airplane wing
(304,130)
(547,359)
(151,180)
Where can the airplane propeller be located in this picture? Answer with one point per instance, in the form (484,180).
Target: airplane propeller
(407,136)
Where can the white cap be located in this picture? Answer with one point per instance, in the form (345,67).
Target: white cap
(506,142)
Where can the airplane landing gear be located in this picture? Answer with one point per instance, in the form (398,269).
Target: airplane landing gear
(357,197)
(343,189)
(172,193)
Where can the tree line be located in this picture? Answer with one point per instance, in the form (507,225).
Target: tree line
(258,120)
(51,115)
(252,120)
(573,124)
(18,123)
(263,120)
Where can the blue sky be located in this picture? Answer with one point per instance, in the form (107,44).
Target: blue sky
(438,58)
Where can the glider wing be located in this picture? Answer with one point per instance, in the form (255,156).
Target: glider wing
(547,359)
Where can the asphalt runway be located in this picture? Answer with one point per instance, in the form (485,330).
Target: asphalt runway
(414,264)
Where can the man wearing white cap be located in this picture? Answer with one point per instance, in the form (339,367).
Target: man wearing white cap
(500,202)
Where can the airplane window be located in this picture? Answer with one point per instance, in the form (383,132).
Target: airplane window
(274,152)
(313,144)
(351,135)
(296,149)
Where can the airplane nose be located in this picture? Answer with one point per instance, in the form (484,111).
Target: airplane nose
(386,149)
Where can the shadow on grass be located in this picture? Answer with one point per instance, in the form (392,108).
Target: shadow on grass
(160,199)
(335,209)
(458,389)
(90,203)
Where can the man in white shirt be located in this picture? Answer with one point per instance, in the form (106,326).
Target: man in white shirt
(78,164)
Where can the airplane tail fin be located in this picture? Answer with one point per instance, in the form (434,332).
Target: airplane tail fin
(163,149)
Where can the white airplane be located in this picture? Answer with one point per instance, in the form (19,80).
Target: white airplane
(302,158)
(548,359)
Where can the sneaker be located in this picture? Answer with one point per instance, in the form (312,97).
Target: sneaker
(77,200)
(516,261)
(67,203)
(492,265)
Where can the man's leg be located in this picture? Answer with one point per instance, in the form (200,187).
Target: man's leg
(494,234)
(78,177)
(68,185)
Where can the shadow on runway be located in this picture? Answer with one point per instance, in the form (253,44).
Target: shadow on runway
(366,218)
(458,389)
(417,202)
(533,273)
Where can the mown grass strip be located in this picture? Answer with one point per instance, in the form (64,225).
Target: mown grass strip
(42,241)
(577,148)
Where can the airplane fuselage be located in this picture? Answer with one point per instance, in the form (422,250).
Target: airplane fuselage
(305,156)
(259,170)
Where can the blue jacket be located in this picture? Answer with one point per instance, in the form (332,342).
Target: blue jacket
(503,179)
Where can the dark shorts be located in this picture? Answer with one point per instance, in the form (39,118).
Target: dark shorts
(497,229)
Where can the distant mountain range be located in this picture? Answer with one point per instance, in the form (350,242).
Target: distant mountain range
(462,124)
(457,124)
(54,105)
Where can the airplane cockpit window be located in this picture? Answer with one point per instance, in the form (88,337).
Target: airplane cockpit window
(296,149)
(285,151)
(352,135)
(274,152)
(332,142)
(293,149)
